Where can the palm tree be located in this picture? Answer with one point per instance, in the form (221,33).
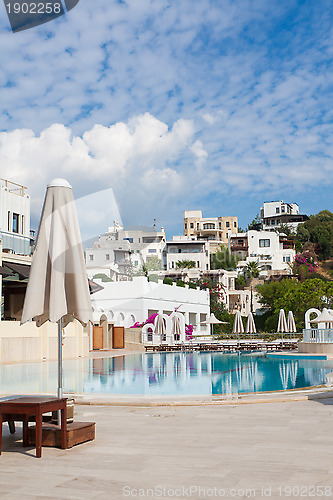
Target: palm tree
(252,270)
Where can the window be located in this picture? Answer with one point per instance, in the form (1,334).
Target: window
(264,243)
(151,250)
(198,263)
(107,256)
(235,224)
(227,224)
(277,210)
(209,226)
(91,257)
(9,220)
(22,227)
(138,251)
(128,239)
(15,223)
(136,263)
(185,225)
(192,225)
(273,222)
(220,225)
(286,258)
(197,226)
(283,209)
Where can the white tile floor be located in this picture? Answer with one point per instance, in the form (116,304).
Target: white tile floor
(230,448)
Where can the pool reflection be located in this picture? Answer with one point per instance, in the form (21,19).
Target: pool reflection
(206,373)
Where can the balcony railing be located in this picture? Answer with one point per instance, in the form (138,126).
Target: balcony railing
(317,335)
(16,243)
(13,187)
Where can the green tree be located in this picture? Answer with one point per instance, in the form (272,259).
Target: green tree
(255,224)
(222,259)
(291,295)
(319,231)
(153,264)
(251,270)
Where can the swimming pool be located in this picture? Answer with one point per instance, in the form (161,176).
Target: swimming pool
(197,373)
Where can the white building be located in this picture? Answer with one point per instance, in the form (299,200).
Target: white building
(186,248)
(14,218)
(273,252)
(127,302)
(15,247)
(119,251)
(275,214)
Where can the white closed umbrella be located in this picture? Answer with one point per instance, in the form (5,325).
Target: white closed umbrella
(238,324)
(282,323)
(58,288)
(291,326)
(250,324)
(176,330)
(160,326)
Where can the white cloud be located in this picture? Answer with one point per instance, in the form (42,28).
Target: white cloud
(137,159)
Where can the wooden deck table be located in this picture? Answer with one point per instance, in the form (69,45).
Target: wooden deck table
(25,407)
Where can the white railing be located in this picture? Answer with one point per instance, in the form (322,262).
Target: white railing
(316,335)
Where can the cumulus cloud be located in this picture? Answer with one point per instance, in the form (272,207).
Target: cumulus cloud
(137,159)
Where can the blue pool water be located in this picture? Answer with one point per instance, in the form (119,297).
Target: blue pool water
(205,373)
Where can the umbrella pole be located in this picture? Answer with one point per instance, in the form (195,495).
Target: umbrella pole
(59,365)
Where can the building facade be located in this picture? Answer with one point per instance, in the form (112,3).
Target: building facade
(275,214)
(14,218)
(273,252)
(119,252)
(125,303)
(216,230)
(16,244)
(186,248)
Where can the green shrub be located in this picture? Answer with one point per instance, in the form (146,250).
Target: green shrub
(102,276)
(192,285)
(153,278)
(180,283)
(168,281)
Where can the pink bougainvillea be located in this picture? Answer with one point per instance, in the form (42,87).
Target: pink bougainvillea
(307,260)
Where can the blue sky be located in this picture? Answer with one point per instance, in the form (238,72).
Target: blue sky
(214,105)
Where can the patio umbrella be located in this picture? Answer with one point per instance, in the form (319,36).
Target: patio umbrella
(250,324)
(238,324)
(176,330)
(282,323)
(291,323)
(160,327)
(212,320)
(58,289)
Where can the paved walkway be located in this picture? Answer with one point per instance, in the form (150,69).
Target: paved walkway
(228,451)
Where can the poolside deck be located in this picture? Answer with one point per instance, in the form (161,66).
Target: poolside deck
(272,446)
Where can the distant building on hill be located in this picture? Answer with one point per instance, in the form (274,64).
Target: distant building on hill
(118,252)
(275,214)
(215,230)
(273,252)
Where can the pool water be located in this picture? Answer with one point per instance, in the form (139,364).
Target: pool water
(198,373)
